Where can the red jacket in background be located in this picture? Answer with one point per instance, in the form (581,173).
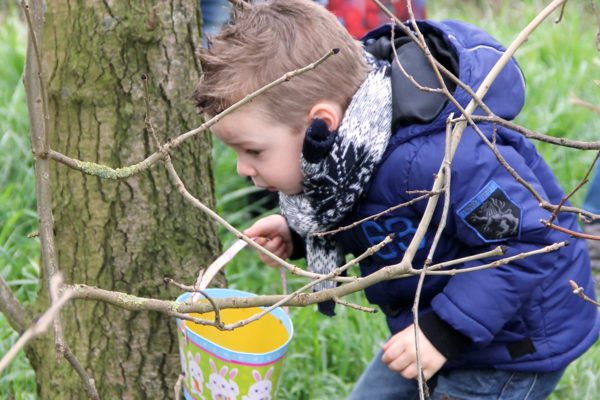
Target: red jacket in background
(361,16)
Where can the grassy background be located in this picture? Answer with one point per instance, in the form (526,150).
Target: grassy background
(558,62)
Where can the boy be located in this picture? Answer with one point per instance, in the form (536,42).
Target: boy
(355,137)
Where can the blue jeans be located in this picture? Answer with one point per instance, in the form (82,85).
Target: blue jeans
(378,382)
(215,14)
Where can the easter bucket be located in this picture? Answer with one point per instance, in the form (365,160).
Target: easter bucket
(245,363)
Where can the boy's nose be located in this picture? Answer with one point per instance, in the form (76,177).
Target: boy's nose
(243,169)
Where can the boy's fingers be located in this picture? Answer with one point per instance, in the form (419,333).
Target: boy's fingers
(260,241)
(274,244)
(410,372)
(399,363)
(281,251)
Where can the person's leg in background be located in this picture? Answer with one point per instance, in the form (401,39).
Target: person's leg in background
(215,13)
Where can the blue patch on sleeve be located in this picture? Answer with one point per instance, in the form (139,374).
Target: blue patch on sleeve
(492,214)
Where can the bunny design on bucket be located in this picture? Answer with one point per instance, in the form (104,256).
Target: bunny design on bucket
(261,389)
(195,374)
(221,388)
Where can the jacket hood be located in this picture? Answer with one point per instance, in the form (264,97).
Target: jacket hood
(465,50)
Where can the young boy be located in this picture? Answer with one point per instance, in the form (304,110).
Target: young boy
(355,137)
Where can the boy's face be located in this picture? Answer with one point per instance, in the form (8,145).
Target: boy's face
(267,152)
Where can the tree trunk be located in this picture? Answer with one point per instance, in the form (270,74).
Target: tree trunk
(122,235)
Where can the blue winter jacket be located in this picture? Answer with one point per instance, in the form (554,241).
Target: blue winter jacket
(522,316)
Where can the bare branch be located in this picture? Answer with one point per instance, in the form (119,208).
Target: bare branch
(578,290)
(502,261)
(88,382)
(178,385)
(37,104)
(354,306)
(575,189)
(198,204)
(582,103)
(14,312)
(498,251)
(40,325)
(459,127)
(336,272)
(105,172)
(565,142)
(375,216)
(570,232)
(446,163)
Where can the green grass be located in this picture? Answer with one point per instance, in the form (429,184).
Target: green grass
(327,354)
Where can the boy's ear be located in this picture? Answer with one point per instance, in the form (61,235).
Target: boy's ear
(329,112)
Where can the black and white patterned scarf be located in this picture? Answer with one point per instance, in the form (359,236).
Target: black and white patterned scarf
(337,168)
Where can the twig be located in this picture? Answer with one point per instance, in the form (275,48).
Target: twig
(423,388)
(42,143)
(282,300)
(336,272)
(178,385)
(415,310)
(198,204)
(106,172)
(374,216)
(575,144)
(570,232)
(150,127)
(459,127)
(502,261)
(543,202)
(38,105)
(200,321)
(578,290)
(354,306)
(14,312)
(147,120)
(39,326)
(135,303)
(582,103)
(215,307)
(173,308)
(498,251)
(438,68)
(447,173)
(562,13)
(405,73)
(88,382)
(575,189)
(187,288)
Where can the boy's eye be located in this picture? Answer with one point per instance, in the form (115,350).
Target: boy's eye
(253,152)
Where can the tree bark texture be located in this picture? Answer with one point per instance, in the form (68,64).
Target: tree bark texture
(122,235)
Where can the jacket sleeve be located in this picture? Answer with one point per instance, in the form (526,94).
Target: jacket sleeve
(490,208)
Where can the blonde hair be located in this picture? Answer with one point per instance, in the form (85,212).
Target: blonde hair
(264,41)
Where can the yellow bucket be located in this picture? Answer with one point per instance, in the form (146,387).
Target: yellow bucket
(244,363)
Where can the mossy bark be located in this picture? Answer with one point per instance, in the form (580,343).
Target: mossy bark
(122,235)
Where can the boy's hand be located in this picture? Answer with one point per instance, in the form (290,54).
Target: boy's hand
(273,234)
(400,354)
